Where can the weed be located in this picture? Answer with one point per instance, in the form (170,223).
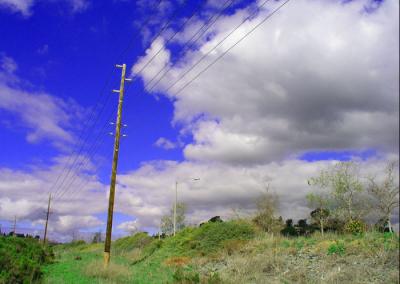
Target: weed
(184,276)
(337,248)
(114,272)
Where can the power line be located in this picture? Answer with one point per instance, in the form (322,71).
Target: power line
(186,46)
(217,45)
(77,152)
(171,38)
(235,44)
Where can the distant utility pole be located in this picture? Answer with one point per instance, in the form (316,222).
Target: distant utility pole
(176,201)
(107,245)
(15,226)
(175,204)
(47,220)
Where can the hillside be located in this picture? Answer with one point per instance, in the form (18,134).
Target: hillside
(232,252)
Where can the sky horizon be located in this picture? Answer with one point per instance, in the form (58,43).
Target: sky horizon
(240,94)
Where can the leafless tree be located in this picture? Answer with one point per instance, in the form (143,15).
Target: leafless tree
(385,193)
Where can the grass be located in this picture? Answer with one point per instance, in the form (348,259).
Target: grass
(232,252)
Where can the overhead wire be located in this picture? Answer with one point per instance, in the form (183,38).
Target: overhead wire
(200,32)
(235,44)
(165,26)
(78,149)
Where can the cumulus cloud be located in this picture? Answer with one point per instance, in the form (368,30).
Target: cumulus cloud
(24,194)
(45,116)
(129,226)
(222,189)
(316,76)
(164,143)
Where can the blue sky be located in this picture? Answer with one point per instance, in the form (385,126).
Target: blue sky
(284,97)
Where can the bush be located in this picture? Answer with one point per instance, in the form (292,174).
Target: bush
(355,227)
(21,260)
(337,248)
(212,236)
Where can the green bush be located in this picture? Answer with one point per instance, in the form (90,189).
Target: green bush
(355,227)
(337,248)
(21,260)
(212,236)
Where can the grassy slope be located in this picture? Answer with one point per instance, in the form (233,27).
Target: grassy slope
(233,252)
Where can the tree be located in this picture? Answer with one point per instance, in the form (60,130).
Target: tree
(96,238)
(267,205)
(385,194)
(289,230)
(321,214)
(345,190)
(167,221)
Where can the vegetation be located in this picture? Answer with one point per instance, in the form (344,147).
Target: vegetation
(338,245)
(167,221)
(22,259)
(233,252)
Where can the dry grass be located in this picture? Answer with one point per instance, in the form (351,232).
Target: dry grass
(177,261)
(114,273)
(278,259)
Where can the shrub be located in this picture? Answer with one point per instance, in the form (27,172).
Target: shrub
(337,248)
(212,236)
(355,227)
(21,259)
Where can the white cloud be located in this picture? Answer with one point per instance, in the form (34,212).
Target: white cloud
(79,5)
(129,226)
(317,76)
(165,143)
(149,192)
(24,194)
(45,116)
(22,6)
(25,6)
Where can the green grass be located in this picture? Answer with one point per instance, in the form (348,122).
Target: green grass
(231,252)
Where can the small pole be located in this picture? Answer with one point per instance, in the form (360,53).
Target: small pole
(47,220)
(107,244)
(15,226)
(176,201)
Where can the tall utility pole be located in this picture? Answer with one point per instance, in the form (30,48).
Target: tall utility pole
(47,220)
(107,245)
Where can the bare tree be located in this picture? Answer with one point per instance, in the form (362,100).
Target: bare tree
(345,190)
(385,194)
(267,205)
(167,221)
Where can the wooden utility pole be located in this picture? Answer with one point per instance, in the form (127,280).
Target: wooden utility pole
(107,245)
(47,220)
